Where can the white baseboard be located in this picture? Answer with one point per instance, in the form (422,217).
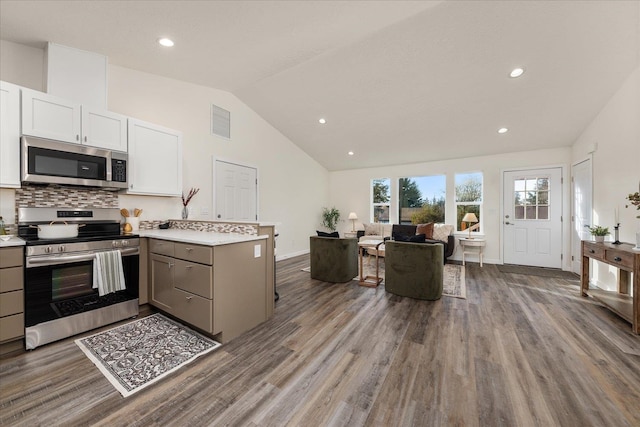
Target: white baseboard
(291,255)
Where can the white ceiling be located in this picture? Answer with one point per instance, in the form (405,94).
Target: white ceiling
(398,81)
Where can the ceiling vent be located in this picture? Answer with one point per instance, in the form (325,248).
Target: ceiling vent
(220,122)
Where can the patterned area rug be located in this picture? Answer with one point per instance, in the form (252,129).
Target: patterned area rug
(454,281)
(136,355)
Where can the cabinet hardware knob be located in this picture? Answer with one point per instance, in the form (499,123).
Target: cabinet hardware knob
(617,259)
(85,139)
(189,267)
(591,251)
(77,137)
(189,298)
(188,249)
(170,265)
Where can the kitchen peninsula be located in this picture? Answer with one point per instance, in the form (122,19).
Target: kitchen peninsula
(220,283)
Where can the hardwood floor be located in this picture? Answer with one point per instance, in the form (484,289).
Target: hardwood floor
(519,351)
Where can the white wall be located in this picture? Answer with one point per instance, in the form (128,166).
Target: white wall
(351,190)
(616,164)
(292,186)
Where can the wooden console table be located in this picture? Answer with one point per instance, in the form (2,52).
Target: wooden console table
(627,261)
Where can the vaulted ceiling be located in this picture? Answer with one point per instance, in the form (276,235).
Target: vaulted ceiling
(397,81)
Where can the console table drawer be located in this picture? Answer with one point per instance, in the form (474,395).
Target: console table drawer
(619,258)
(594,251)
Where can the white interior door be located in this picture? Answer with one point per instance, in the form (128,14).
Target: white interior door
(532,223)
(236,192)
(582,199)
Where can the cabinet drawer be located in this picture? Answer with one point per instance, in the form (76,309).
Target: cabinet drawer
(10,257)
(194,278)
(619,258)
(593,251)
(193,309)
(11,327)
(11,303)
(161,247)
(195,253)
(11,279)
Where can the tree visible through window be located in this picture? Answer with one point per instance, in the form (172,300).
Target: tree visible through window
(381,189)
(421,199)
(468,198)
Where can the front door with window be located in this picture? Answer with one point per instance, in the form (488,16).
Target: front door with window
(532,222)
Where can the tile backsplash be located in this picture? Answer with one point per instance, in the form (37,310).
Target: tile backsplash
(54,196)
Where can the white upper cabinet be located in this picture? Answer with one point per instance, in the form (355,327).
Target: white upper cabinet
(104,129)
(155,160)
(9,135)
(48,116)
(52,117)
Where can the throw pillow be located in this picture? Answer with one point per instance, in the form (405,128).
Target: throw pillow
(418,238)
(442,231)
(323,234)
(426,229)
(372,230)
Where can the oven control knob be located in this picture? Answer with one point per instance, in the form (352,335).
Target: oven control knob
(125,243)
(47,250)
(61,248)
(115,244)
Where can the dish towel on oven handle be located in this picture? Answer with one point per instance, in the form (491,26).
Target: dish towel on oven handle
(108,274)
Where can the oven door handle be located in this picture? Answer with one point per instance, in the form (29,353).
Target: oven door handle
(64,259)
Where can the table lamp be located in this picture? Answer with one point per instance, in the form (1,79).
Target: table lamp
(469,218)
(353,217)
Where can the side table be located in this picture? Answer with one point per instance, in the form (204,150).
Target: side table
(370,281)
(472,246)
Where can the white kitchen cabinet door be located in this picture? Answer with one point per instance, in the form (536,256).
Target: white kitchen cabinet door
(104,129)
(48,116)
(9,135)
(155,160)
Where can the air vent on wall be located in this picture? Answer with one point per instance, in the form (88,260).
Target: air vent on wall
(220,122)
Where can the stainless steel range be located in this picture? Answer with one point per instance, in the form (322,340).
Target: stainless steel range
(60,300)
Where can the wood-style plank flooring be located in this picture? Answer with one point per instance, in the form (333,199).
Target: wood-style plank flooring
(519,351)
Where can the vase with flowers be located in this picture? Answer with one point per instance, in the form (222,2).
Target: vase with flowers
(634,199)
(186,200)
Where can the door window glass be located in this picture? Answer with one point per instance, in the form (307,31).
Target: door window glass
(531,198)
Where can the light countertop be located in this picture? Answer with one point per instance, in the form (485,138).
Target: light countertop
(14,241)
(199,237)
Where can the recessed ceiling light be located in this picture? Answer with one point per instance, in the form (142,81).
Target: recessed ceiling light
(516,72)
(503,130)
(322,121)
(350,153)
(166,42)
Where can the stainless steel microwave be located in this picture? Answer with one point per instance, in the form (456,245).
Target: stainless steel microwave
(45,161)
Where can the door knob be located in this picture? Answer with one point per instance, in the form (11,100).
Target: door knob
(508,223)
(219,216)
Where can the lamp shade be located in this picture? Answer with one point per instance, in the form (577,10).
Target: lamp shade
(353,215)
(470,217)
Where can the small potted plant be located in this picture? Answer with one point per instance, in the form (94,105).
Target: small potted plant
(599,232)
(330,218)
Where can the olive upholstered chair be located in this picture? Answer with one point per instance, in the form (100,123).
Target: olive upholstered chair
(333,259)
(414,270)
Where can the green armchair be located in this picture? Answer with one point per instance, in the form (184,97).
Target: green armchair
(414,270)
(333,259)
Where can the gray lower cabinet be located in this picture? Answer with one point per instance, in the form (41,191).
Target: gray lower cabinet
(11,299)
(220,289)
